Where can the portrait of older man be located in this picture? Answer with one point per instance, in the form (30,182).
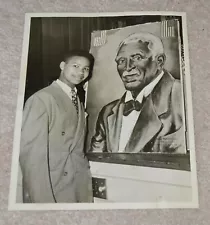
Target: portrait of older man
(148,117)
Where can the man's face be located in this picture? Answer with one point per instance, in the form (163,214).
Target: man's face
(136,66)
(75,70)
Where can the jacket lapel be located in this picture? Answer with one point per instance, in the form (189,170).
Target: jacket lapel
(149,124)
(80,130)
(65,102)
(161,94)
(115,124)
(62,99)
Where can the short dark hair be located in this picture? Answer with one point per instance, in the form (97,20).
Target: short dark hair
(82,53)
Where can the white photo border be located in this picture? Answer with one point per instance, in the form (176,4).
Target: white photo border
(97,206)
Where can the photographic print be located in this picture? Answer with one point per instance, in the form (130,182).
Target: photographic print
(104,115)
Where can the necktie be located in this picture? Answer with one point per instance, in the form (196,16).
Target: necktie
(130,106)
(74,99)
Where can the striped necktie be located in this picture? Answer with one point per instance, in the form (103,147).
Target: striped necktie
(74,99)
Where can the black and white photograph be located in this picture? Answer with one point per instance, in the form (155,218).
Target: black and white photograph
(104,115)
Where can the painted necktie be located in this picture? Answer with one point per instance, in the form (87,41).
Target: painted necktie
(130,106)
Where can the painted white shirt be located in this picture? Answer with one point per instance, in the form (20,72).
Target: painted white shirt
(128,122)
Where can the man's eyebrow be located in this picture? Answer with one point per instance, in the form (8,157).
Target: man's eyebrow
(138,53)
(119,57)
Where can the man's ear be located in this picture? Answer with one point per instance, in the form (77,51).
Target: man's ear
(161,60)
(62,65)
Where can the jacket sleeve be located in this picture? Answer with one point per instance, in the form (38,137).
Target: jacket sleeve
(177,104)
(34,152)
(98,141)
(178,136)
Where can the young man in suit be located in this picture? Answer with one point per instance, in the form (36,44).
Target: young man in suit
(52,158)
(148,117)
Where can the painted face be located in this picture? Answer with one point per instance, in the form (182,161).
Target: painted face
(75,70)
(135,65)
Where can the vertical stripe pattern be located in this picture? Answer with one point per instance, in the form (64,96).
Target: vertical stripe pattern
(168,28)
(101,40)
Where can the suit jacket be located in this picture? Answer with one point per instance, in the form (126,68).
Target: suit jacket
(159,127)
(52,159)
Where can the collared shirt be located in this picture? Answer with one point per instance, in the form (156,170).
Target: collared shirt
(128,122)
(66,88)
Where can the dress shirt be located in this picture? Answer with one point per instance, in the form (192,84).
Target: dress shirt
(66,88)
(128,122)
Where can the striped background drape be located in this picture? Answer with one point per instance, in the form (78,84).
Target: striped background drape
(51,37)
